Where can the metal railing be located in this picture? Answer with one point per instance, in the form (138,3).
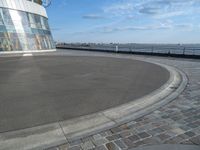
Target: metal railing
(178,50)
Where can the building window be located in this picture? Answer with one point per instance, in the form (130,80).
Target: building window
(24,31)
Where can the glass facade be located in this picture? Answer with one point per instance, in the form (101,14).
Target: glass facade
(24,31)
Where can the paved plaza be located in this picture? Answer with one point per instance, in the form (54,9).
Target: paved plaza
(38,90)
(176,123)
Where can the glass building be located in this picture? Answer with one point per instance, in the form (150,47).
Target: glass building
(24,26)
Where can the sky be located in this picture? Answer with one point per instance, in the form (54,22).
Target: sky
(125,21)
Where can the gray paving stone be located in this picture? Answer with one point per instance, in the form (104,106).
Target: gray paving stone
(86,139)
(97,136)
(54,148)
(100,141)
(133,131)
(128,143)
(75,142)
(151,141)
(174,140)
(166,127)
(108,132)
(195,140)
(171,141)
(190,133)
(177,131)
(120,144)
(183,136)
(75,148)
(132,123)
(156,131)
(141,129)
(116,130)
(186,142)
(113,137)
(104,134)
(134,138)
(139,143)
(112,146)
(102,147)
(184,127)
(124,127)
(87,145)
(163,136)
(143,135)
(64,147)
(196,131)
(125,133)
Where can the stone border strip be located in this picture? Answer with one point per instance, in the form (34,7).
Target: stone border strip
(58,133)
(169,146)
(22,52)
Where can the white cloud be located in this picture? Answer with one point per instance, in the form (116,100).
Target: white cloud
(92,16)
(122,8)
(156,14)
(154,8)
(135,28)
(63,3)
(165,25)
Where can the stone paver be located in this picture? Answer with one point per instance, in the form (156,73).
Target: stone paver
(176,123)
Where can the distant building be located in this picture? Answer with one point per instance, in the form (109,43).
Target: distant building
(24,26)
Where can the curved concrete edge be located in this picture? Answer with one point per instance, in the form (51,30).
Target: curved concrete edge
(33,138)
(169,147)
(88,125)
(2,53)
(46,136)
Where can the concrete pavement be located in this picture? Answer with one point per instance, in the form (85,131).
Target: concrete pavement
(46,89)
(63,131)
(175,123)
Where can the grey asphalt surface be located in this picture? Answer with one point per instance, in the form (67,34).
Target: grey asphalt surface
(45,89)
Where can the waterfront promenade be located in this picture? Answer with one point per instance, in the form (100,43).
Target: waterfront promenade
(176,123)
(172,122)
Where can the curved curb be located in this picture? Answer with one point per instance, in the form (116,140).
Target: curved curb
(46,136)
(90,124)
(11,53)
(169,146)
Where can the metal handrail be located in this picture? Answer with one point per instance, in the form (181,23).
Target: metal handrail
(140,49)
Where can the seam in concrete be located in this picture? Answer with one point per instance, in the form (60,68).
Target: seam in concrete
(111,119)
(45,136)
(62,131)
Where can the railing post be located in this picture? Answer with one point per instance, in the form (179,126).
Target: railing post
(116,49)
(169,53)
(152,49)
(132,49)
(184,51)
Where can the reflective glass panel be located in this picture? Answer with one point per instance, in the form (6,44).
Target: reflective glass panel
(24,31)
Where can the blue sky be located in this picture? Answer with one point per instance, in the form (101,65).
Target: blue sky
(125,21)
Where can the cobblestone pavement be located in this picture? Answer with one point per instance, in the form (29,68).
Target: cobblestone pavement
(175,123)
